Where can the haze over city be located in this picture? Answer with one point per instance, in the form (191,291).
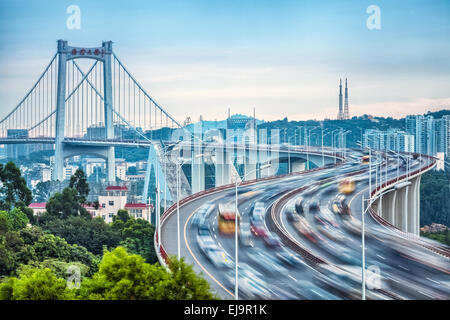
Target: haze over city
(283,58)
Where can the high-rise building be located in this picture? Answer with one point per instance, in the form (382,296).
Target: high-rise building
(392,139)
(431,135)
(447,135)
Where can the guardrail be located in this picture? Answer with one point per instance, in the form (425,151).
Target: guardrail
(444,251)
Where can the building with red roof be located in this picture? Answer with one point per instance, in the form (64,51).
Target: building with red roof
(114,199)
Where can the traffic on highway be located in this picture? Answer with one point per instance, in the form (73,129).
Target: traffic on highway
(299,237)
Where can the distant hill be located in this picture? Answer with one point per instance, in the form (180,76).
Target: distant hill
(438,114)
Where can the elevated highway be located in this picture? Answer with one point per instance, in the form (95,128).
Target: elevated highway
(324,253)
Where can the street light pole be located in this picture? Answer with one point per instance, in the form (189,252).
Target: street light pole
(178,212)
(363,253)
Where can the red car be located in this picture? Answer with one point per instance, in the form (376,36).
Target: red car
(258,229)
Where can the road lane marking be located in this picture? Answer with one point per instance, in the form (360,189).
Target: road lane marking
(403,267)
(292,277)
(433,280)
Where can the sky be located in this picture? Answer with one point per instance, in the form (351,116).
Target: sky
(284,58)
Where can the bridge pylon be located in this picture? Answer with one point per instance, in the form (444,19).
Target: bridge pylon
(62,151)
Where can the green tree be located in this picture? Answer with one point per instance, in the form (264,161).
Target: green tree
(434,198)
(122,215)
(15,219)
(136,235)
(122,276)
(35,284)
(127,276)
(78,181)
(51,246)
(65,204)
(44,190)
(185,284)
(58,267)
(93,234)
(14,191)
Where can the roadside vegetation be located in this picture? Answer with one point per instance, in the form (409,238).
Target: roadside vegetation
(65,254)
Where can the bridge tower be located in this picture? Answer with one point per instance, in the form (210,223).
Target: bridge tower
(103,55)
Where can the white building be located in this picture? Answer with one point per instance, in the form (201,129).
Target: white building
(46,174)
(392,139)
(69,171)
(114,199)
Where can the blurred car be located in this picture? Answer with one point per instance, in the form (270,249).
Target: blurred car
(352,225)
(329,230)
(325,215)
(299,206)
(258,229)
(219,257)
(291,214)
(314,207)
(205,242)
(257,226)
(251,283)
(347,186)
(310,291)
(302,226)
(258,212)
(202,213)
(348,257)
(272,241)
(245,234)
(346,283)
(203,225)
(310,191)
(290,258)
(340,206)
(266,262)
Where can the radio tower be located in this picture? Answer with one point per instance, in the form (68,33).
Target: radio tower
(340,113)
(346,112)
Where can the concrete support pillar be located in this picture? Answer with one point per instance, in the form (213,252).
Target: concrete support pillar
(399,207)
(198,175)
(264,159)
(58,172)
(414,205)
(109,126)
(249,171)
(111,164)
(392,207)
(222,167)
(250,164)
(386,204)
(406,208)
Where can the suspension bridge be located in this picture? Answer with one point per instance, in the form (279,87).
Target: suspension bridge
(86,112)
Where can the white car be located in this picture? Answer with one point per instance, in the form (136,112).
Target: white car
(245,234)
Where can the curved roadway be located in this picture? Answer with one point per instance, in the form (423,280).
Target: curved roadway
(322,259)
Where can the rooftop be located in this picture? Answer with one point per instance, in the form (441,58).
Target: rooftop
(116,188)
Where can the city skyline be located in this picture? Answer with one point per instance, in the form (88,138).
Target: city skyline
(208,57)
